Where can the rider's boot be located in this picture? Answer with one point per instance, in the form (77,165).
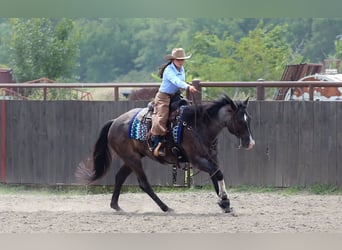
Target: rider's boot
(157,145)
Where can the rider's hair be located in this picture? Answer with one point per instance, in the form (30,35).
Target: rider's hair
(162,68)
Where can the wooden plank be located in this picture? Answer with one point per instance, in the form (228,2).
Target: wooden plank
(227,155)
(338,181)
(26,157)
(258,155)
(51,142)
(332,143)
(306,142)
(3,141)
(266,146)
(281,147)
(10,141)
(72,131)
(291,116)
(327,142)
(315,168)
(246,159)
(43,168)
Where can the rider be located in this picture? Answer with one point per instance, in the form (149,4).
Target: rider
(173,80)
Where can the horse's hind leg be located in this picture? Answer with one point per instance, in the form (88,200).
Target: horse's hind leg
(145,186)
(120,178)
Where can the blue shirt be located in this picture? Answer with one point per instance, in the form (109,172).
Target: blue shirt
(173,80)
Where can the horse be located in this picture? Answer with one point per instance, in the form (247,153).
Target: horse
(201,124)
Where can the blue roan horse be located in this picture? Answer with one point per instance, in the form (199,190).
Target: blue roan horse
(196,145)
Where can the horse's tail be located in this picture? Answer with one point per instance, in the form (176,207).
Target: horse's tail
(98,166)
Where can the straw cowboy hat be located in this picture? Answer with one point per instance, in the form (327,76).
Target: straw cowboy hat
(177,53)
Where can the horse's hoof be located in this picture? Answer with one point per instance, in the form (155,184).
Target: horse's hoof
(226,210)
(225,205)
(116,207)
(166,209)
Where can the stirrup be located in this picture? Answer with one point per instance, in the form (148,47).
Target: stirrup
(157,152)
(153,144)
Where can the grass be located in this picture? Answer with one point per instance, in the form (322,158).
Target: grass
(318,189)
(325,189)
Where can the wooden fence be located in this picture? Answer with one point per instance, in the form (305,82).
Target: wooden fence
(260,86)
(297,144)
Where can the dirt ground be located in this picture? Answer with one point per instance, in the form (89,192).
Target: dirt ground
(195,212)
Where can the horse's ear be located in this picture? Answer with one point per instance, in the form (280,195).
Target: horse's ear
(246,101)
(231,102)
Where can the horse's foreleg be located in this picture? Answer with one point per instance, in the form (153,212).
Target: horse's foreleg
(217,178)
(215,183)
(224,203)
(120,178)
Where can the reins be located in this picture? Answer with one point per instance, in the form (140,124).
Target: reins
(196,105)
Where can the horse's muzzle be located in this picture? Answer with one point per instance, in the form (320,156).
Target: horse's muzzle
(247,143)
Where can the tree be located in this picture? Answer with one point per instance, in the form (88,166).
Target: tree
(107,48)
(4,50)
(158,37)
(338,50)
(313,38)
(116,48)
(42,47)
(262,54)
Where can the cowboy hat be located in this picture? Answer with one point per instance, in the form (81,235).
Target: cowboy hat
(177,53)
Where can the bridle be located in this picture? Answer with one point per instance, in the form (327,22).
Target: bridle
(233,129)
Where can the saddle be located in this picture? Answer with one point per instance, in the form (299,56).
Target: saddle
(141,124)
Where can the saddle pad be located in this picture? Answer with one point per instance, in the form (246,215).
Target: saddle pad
(137,128)
(178,128)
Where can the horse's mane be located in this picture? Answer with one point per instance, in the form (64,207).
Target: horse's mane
(207,111)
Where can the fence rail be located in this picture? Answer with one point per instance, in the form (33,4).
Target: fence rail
(259,85)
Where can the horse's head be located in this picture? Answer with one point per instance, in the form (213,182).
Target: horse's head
(237,120)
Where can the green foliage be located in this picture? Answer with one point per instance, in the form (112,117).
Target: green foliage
(42,47)
(114,48)
(157,38)
(338,51)
(262,54)
(4,49)
(313,38)
(106,49)
(324,189)
(131,49)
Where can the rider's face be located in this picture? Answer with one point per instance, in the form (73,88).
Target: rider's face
(178,62)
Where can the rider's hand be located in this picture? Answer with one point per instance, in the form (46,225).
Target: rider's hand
(192,89)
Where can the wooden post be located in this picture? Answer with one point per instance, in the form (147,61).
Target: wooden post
(311,93)
(196,97)
(45,93)
(260,91)
(116,93)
